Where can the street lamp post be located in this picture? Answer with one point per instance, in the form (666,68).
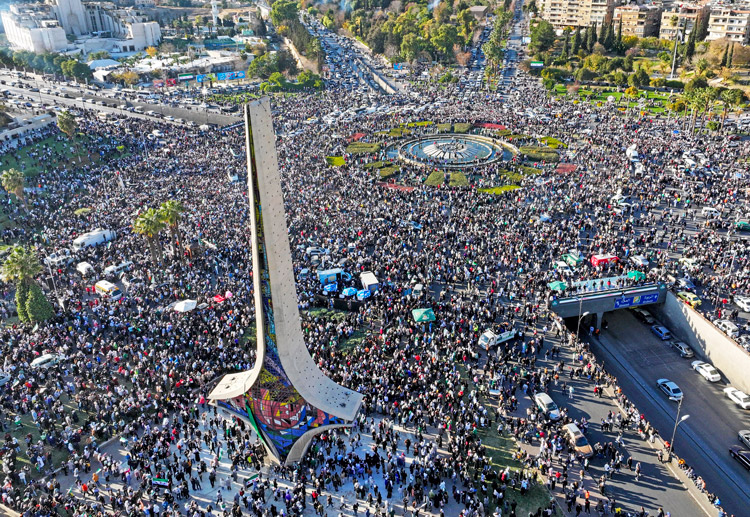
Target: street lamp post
(580,317)
(677,422)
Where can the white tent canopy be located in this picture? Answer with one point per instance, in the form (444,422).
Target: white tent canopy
(185,305)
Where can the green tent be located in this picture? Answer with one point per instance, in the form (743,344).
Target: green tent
(637,275)
(423,315)
(557,286)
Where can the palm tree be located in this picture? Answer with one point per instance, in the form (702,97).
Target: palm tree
(67,123)
(149,224)
(14,181)
(21,267)
(171,214)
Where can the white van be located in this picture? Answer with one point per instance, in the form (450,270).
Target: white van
(85,269)
(728,328)
(93,238)
(547,406)
(709,211)
(114,270)
(107,290)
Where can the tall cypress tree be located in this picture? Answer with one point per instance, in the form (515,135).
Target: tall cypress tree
(724,56)
(591,38)
(619,37)
(602,33)
(690,46)
(731,55)
(566,45)
(577,40)
(609,37)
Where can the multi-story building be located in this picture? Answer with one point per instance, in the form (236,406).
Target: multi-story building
(69,24)
(638,20)
(731,24)
(578,13)
(682,18)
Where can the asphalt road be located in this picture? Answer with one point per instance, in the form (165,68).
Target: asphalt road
(657,487)
(196,115)
(638,358)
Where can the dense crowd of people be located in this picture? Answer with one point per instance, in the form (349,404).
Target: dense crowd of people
(137,369)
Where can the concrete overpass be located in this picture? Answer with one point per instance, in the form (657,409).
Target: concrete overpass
(599,302)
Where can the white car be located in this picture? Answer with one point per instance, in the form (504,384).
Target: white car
(744,437)
(728,328)
(670,389)
(563,268)
(45,361)
(738,397)
(743,302)
(706,370)
(639,260)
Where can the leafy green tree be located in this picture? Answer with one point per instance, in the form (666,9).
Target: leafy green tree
(411,45)
(170,213)
(14,181)
(283,10)
(542,36)
(67,123)
(620,78)
(444,38)
(38,307)
(21,267)
(149,224)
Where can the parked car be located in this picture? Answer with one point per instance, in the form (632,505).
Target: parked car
(708,372)
(683,348)
(744,437)
(45,361)
(639,260)
(741,455)
(740,398)
(670,389)
(743,302)
(644,316)
(662,332)
(689,298)
(728,328)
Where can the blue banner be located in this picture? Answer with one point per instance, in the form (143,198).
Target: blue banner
(631,301)
(230,76)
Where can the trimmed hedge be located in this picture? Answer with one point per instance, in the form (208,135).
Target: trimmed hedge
(362,148)
(444,128)
(376,165)
(498,190)
(539,153)
(462,127)
(387,172)
(335,161)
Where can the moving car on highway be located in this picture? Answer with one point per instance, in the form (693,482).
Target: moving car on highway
(708,372)
(741,455)
(670,389)
(738,397)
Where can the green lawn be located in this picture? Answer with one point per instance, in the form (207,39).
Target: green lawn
(421,123)
(552,142)
(362,148)
(28,160)
(501,449)
(498,190)
(376,165)
(539,153)
(462,127)
(435,179)
(444,128)
(387,172)
(335,161)
(455,179)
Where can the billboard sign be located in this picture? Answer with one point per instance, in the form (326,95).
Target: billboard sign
(230,76)
(536,64)
(170,82)
(632,301)
(158,83)
(185,77)
(204,78)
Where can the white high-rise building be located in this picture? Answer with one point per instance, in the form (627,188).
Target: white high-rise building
(45,27)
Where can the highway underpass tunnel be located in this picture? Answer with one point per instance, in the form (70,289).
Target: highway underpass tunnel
(589,323)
